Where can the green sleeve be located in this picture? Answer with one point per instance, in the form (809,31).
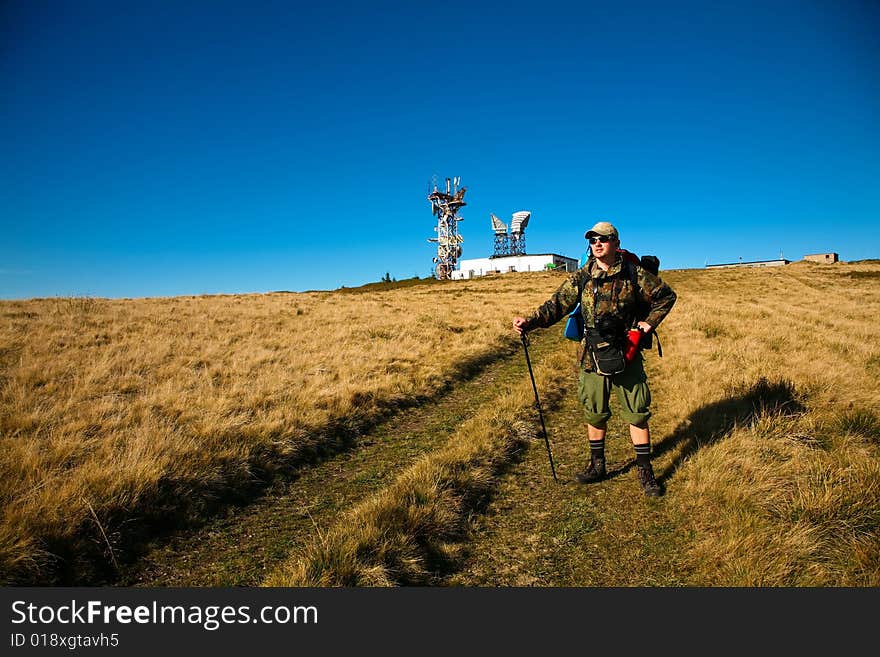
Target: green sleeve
(656,294)
(560,304)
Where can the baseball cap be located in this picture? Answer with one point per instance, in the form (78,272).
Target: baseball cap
(602,228)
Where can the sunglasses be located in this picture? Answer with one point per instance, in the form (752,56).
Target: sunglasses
(593,239)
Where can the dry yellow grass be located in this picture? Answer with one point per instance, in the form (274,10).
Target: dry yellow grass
(771,378)
(789,495)
(403,533)
(117,416)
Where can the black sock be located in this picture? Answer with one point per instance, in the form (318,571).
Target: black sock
(597,448)
(643,454)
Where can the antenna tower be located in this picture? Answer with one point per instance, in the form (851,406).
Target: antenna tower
(518,223)
(502,247)
(445,206)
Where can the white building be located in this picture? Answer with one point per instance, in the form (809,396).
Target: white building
(504,264)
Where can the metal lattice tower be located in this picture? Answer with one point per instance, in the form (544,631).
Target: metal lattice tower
(445,206)
(518,223)
(502,247)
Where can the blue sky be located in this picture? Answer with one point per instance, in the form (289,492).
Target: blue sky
(168,148)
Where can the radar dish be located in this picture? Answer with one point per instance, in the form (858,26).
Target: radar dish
(497,225)
(519,221)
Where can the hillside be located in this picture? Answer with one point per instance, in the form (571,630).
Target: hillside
(121,419)
(124,422)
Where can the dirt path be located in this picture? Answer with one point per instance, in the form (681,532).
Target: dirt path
(533,533)
(243,544)
(538,533)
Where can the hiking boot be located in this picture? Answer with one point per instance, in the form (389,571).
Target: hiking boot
(650,485)
(595,471)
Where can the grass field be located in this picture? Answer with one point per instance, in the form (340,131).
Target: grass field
(120,419)
(785,488)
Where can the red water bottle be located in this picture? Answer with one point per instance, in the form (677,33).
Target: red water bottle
(633,338)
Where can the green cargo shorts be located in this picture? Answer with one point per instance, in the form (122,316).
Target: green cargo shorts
(631,387)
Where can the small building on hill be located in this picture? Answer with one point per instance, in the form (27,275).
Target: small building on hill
(824,258)
(512,263)
(755,263)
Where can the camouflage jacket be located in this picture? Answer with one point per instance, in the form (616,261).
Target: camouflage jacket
(609,292)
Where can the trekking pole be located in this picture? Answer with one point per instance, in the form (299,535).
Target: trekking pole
(525,342)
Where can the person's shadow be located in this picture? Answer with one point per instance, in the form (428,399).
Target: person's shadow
(710,423)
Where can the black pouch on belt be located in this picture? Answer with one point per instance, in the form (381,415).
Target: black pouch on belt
(606,352)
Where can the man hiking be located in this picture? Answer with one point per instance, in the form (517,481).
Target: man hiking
(615,296)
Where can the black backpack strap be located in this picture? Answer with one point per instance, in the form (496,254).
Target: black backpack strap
(633,273)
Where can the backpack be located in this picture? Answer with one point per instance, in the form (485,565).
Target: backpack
(650,263)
